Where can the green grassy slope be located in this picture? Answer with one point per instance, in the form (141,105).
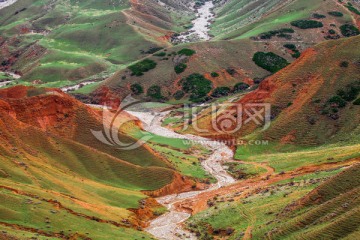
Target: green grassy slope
(261,16)
(79,40)
(49,178)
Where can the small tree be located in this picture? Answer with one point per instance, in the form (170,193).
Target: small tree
(136,89)
(180,68)
(220,92)
(155,92)
(239,87)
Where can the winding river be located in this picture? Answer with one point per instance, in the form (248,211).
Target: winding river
(200,26)
(168,226)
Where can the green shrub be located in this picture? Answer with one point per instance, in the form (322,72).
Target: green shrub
(180,68)
(338,101)
(179,95)
(160,54)
(344,64)
(136,89)
(353,9)
(290,46)
(214,74)
(220,92)
(296,54)
(318,16)
(332,31)
(270,34)
(270,61)
(336,14)
(239,87)
(350,92)
(186,52)
(231,71)
(139,68)
(349,30)
(357,102)
(306,24)
(155,92)
(198,87)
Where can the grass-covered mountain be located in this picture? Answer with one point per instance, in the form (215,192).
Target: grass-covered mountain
(59,42)
(54,172)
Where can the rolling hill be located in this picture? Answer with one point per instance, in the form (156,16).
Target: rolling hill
(50,158)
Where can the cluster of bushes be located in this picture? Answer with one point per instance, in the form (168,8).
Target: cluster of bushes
(352,8)
(336,14)
(139,68)
(342,97)
(197,86)
(349,30)
(180,68)
(307,24)
(295,52)
(283,33)
(270,61)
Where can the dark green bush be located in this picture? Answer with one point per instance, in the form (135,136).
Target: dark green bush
(350,92)
(336,14)
(179,95)
(214,74)
(198,87)
(344,64)
(239,87)
(338,101)
(231,71)
(349,30)
(318,16)
(270,34)
(160,54)
(296,54)
(353,9)
(155,92)
(220,92)
(332,31)
(180,68)
(139,68)
(137,89)
(306,24)
(357,102)
(270,61)
(186,52)
(290,46)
